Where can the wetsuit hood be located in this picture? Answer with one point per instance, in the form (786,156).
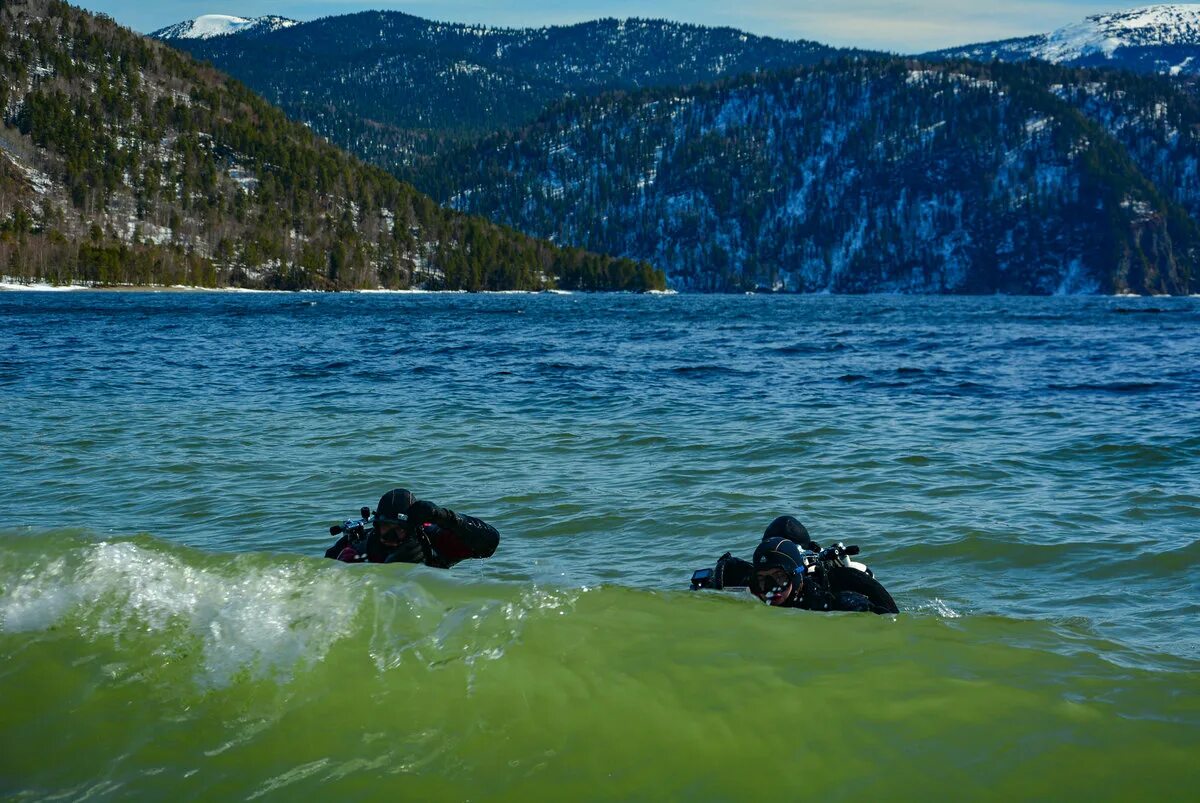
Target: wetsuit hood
(778,571)
(788,527)
(394,503)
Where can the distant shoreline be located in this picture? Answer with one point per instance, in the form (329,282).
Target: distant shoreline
(46,287)
(9,284)
(12,285)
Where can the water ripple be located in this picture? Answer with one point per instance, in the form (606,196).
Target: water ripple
(998,456)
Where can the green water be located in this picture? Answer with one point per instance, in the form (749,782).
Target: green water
(156,672)
(1020,473)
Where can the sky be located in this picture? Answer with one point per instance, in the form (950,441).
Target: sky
(903,26)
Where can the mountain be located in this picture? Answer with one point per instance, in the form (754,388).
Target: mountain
(863,176)
(123,160)
(1152,39)
(212,25)
(386,84)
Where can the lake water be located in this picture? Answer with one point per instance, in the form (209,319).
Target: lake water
(1021,473)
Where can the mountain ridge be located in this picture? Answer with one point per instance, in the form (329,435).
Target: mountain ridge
(387,85)
(1162,38)
(207,26)
(126,161)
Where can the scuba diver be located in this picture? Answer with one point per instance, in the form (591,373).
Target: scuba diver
(404,529)
(790,570)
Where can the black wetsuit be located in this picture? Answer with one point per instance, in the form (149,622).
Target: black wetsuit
(443,542)
(812,598)
(734,572)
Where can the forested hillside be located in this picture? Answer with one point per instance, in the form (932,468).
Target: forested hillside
(123,160)
(384,84)
(885,175)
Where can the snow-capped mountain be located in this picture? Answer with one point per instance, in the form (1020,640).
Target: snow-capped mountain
(862,176)
(385,84)
(1106,33)
(212,25)
(1160,39)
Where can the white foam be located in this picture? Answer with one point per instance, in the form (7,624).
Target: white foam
(246,618)
(39,599)
(939,607)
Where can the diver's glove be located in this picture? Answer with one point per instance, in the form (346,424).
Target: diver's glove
(409,551)
(424,512)
(732,572)
(460,536)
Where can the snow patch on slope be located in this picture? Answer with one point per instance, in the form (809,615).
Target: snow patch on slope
(208,26)
(1177,24)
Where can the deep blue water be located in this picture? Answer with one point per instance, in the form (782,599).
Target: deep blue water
(1012,456)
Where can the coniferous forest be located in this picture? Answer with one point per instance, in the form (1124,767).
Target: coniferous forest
(793,167)
(863,175)
(790,166)
(126,161)
(389,86)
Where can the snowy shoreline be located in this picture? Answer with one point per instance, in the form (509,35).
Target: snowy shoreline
(8,283)
(13,285)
